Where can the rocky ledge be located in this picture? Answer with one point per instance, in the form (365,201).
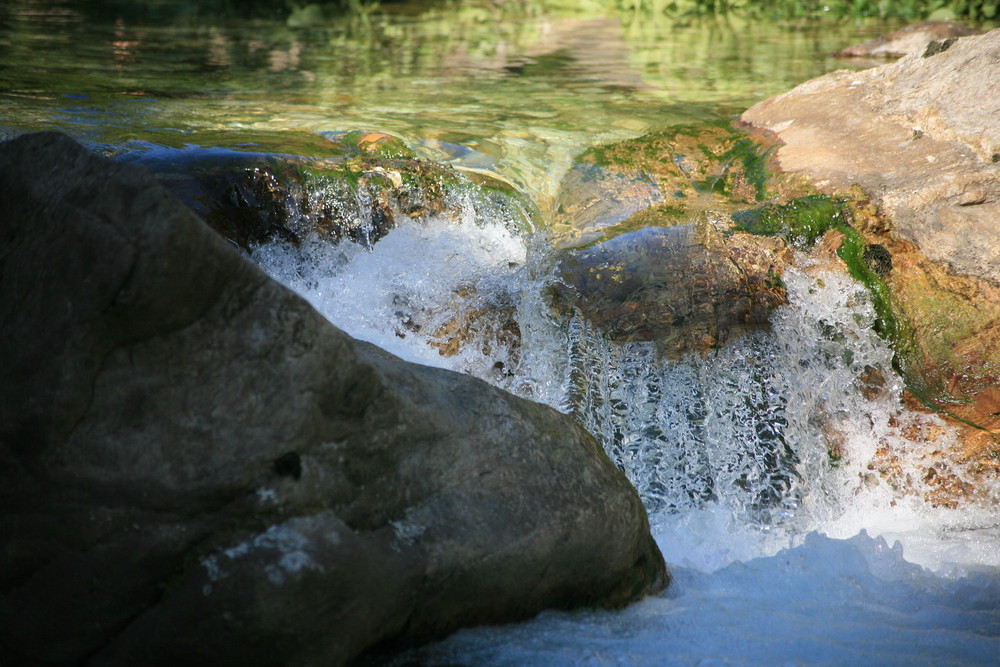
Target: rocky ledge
(199,469)
(917,144)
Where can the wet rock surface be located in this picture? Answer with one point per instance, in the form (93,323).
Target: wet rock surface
(199,469)
(918,144)
(649,251)
(918,135)
(688,288)
(372,184)
(662,179)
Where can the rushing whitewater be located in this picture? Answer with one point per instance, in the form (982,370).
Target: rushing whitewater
(759,464)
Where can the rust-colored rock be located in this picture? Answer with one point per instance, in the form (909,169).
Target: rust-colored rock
(915,147)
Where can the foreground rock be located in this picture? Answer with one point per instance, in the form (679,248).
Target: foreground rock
(920,139)
(199,469)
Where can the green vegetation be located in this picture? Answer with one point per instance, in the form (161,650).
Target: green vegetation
(301,13)
(967,10)
(801,222)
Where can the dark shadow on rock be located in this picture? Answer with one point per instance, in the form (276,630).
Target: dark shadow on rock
(197,468)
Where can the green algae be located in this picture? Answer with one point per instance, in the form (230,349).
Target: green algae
(368,143)
(748,158)
(710,158)
(800,222)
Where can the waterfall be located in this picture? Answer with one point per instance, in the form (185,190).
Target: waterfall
(780,469)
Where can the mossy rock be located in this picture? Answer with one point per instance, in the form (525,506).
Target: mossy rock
(255,198)
(692,159)
(953,356)
(368,143)
(665,178)
(944,328)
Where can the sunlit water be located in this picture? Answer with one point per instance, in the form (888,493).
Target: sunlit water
(781,553)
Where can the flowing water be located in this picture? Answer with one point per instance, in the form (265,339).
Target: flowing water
(782,552)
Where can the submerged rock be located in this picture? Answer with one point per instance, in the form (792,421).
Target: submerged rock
(649,248)
(199,469)
(661,179)
(917,145)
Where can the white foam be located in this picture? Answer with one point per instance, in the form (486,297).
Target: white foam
(781,553)
(408,286)
(823,602)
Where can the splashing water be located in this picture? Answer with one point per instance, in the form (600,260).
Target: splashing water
(763,464)
(404,293)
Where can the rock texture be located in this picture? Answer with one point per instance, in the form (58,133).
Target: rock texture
(661,179)
(689,288)
(198,469)
(910,40)
(648,250)
(920,138)
(370,186)
(919,135)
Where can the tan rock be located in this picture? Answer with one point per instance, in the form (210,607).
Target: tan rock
(921,139)
(913,39)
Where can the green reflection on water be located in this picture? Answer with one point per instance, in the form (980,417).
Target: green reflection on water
(527,87)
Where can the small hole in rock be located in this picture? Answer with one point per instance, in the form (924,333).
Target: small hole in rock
(289,465)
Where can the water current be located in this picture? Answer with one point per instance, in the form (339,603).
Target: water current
(785,549)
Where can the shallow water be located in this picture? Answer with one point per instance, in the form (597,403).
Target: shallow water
(781,554)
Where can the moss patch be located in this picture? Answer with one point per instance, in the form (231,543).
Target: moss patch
(801,221)
(692,159)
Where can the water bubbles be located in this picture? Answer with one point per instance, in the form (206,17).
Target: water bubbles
(778,433)
(690,432)
(435,290)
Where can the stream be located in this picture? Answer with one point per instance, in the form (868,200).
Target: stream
(781,553)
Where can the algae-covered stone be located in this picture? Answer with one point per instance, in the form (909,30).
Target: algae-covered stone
(661,179)
(648,247)
(370,143)
(373,186)
(914,145)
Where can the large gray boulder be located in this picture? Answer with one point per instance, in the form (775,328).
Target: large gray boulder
(197,468)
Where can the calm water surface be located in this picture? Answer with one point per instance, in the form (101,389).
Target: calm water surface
(526,90)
